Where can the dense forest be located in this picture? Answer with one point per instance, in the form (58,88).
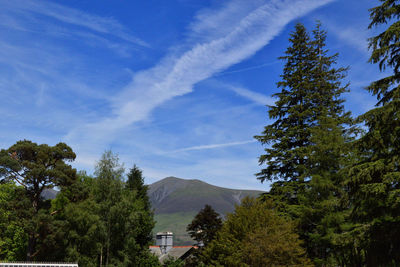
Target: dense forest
(335,180)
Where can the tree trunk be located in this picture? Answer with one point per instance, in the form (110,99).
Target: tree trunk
(101,256)
(108,251)
(31,246)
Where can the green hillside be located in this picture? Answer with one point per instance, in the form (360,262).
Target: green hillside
(176,223)
(176,201)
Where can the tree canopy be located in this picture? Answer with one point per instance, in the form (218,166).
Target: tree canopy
(255,235)
(95,221)
(36,168)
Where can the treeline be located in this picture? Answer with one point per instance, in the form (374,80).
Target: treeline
(105,220)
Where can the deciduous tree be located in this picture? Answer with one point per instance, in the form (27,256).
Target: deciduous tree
(14,210)
(255,235)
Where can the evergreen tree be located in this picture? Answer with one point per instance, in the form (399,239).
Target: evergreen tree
(374,182)
(136,188)
(205,225)
(290,134)
(36,168)
(309,141)
(136,182)
(331,132)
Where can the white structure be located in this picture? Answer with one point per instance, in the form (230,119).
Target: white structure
(165,241)
(165,248)
(37,264)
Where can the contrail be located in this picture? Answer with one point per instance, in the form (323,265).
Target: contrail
(212,146)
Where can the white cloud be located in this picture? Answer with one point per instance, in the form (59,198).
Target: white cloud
(68,15)
(202,147)
(230,39)
(358,39)
(48,85)
(255,97)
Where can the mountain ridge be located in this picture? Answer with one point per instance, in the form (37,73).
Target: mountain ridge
(173,194)
(176,201)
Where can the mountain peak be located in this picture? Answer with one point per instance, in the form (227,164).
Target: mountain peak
(174,194)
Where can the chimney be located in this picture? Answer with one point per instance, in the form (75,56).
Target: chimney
(165,241)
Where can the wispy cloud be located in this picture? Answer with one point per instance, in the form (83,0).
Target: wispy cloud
(246,69)
(357,39)
(59,81)
(48,81)
(202,147)
(229,40)
(255,97)
(103,25)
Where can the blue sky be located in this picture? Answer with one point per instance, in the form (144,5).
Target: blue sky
(178,87)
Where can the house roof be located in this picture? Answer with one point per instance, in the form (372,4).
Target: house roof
(177,252)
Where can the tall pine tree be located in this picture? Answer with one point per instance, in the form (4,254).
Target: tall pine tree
(37,168)
(308,140)
(374,182)
(332,131)
(290,134)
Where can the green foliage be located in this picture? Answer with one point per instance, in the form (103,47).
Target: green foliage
(385,50)
(13,237)
(289,133)
(92,221)
(36,168)
(136,188)
(109,222)
(135,182)
(171,262)
(309,113)
(83,232)
(309,143)
(205,225)
(374,181)
(255,235)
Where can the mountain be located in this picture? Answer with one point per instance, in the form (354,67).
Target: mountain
(176,201)
(173,194)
